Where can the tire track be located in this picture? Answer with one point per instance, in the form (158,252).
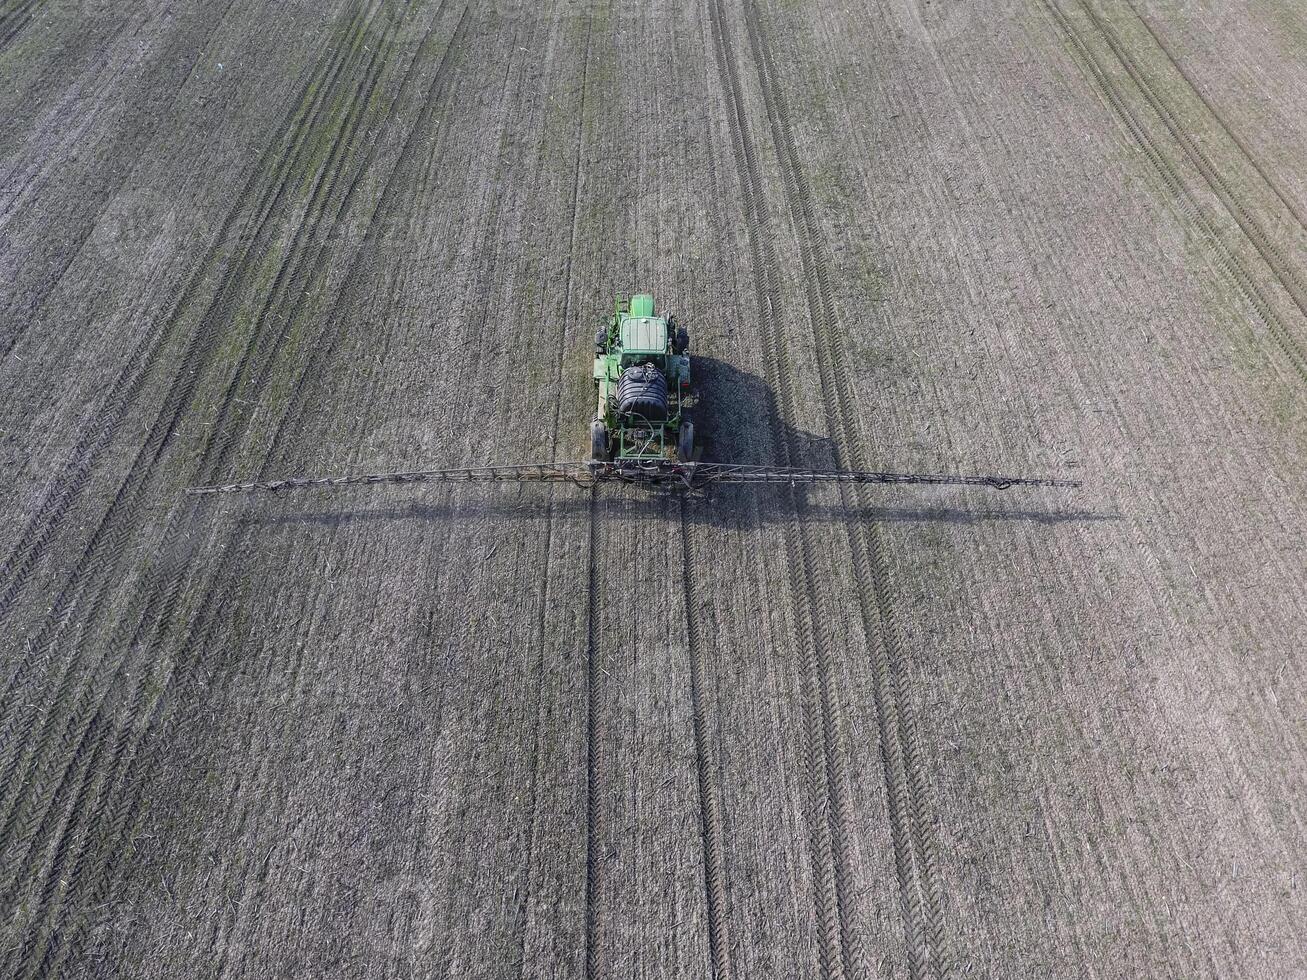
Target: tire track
(486,278)
(221,569)
(107,734)
(832,947)
(1247,152)
(125,141)
(199,351)
(162,726)
(177,552)
(326,343)
(304,258)
(69,865)
(710,804)
(907,789)
(912,819)
(67,488)
(13,22)
(1270,252)
(68,940)
(114,733)
(81,720)
(575,206)
(416,190)
(193,365)
(1181,193)
(107,545)
(593,757)
(709,779)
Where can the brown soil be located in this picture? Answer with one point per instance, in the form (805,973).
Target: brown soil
(545,732)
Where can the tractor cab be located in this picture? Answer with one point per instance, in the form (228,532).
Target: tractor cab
(643,340)
(642,380)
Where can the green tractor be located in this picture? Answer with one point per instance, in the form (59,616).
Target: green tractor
(642,378)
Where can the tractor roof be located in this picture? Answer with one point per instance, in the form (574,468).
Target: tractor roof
(644,335)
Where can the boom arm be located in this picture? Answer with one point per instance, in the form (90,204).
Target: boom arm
(692,475)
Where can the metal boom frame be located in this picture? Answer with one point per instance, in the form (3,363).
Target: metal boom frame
(648,472)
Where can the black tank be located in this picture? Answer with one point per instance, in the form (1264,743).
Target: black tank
(642,390)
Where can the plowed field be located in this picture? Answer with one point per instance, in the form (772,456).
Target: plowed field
(539,731)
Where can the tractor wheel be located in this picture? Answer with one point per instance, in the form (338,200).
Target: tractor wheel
(599,442)
(685,443)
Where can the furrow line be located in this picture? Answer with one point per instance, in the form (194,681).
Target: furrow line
(68,487)
(75,121)
(108,191)
(487,244)
(923,830)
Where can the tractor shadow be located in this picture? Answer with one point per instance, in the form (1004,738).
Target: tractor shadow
(737,419)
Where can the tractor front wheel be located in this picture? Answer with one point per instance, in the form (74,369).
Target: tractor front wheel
(599,449)
(685,442)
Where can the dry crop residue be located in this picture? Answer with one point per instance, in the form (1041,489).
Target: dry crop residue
(838,732)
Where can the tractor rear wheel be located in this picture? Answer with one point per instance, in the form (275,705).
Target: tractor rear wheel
(599,442)
(685,442)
